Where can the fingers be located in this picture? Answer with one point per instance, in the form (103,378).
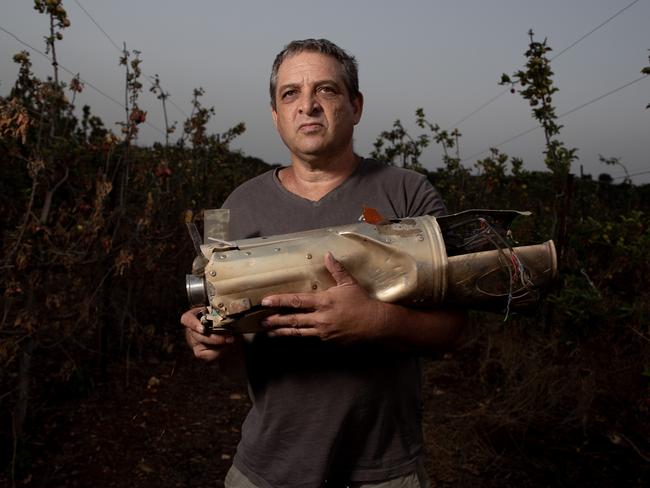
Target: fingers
(217,339)
(292,320)
(338,271)
(293,300)
(315,300)
(294,332)
(207,354)
(206,347)
(209,347)
(292,325)
(316,306)
(190,319)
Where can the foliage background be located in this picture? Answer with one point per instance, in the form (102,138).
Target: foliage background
(94,253)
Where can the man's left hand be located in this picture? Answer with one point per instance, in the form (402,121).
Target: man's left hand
(344,313)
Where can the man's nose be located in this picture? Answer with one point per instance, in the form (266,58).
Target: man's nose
(309,104)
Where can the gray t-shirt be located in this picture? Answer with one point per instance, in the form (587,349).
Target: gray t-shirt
(322,411)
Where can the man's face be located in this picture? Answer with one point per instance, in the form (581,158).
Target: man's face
(314,114)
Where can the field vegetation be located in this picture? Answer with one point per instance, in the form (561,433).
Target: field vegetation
(97,386)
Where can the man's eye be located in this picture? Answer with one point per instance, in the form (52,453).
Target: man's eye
(288,94)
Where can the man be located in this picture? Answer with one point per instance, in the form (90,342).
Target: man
(335,384)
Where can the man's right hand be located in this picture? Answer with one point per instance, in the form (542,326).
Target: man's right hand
(206,347)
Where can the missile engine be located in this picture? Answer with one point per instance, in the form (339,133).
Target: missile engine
(466,260)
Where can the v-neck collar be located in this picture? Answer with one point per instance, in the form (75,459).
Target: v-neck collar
(328,196)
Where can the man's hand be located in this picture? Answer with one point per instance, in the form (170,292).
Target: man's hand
(345,312)
(206,347)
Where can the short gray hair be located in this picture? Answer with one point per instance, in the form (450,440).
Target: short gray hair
(323,46)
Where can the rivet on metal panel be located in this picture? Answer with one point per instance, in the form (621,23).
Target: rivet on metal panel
(308,255)
(420,237)
(248,253)
(222,256)
(277,249)
(314,286)
(213,273)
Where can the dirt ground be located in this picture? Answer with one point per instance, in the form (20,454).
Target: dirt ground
(177,423)
(165,429)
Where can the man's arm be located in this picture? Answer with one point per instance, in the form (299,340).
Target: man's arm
(346,313)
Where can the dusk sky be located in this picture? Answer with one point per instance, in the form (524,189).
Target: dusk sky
(443,56)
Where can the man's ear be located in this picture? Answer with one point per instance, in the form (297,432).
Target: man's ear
(357,105)
(274,114)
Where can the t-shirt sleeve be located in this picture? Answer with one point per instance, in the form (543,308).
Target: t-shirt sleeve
(250,205)
(425,200)
(236,217)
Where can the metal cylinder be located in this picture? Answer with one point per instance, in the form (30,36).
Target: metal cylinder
(402,261)
(195,287)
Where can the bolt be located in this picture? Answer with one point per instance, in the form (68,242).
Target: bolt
(213,273)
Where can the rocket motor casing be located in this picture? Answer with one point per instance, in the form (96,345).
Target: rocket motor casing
(403,261)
